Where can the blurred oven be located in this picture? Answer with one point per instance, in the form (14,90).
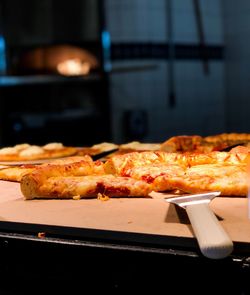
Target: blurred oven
(55,87)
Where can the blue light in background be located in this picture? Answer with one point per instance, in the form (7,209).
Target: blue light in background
(106,43)
(2,55)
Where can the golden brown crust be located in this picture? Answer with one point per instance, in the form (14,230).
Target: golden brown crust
(182,143)
(78,166)
(29,186)
(15,173)
(83,186)
(40,181)
(228,137)
(195,143)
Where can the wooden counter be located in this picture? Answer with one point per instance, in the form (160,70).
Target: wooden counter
(150,220)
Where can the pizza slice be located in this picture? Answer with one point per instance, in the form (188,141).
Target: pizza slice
(74,166)
(82,186)
(190,172)
(184,143)
(196,143)
(83,165)
(137,174)
(121,163)
(15,173)
(230,180)
(83,179)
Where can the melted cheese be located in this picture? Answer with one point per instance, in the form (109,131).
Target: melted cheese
(14,149)
(21,146)
(53,146)
(31,150)
(8,151)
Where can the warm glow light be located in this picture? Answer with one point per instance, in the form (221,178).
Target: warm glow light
(73,67)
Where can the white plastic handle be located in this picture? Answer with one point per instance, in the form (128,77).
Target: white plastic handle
(213,240)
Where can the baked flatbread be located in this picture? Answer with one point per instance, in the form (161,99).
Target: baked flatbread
(82,186)
(139,173)
(15,173)
(121,163)
(230,180)
(196,143)
(26,152)
(188,172)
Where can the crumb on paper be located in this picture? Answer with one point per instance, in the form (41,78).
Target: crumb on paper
(78,197)
(41,235)
(102,197)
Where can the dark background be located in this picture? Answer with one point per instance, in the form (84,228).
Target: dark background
(166,67)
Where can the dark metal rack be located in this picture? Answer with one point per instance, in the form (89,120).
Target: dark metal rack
(60,264)
(9,81)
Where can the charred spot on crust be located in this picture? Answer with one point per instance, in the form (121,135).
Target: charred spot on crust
(111,191)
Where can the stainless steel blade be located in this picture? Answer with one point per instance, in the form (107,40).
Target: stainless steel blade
(213,241)
(193,199)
